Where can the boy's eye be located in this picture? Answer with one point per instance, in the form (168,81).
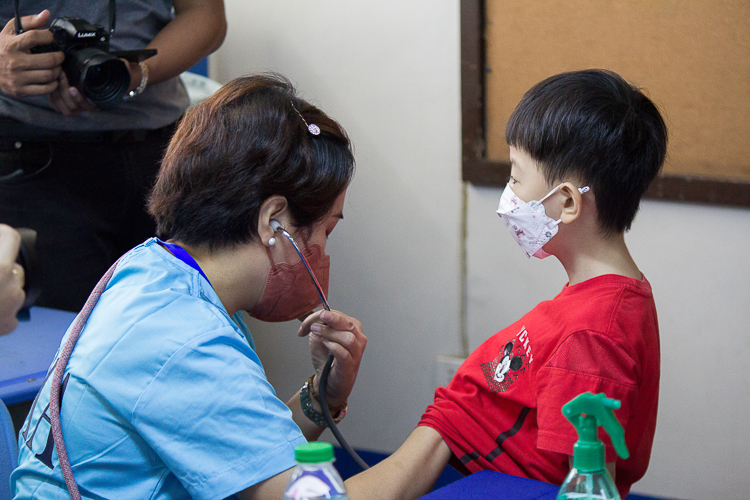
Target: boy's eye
(512,180)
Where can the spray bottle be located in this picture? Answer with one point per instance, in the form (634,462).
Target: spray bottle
(589,479)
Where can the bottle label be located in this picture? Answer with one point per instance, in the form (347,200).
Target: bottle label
(313,484)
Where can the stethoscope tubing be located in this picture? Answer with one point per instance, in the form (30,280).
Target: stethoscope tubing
(322,397)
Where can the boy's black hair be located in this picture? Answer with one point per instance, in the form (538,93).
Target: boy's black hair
(594,127)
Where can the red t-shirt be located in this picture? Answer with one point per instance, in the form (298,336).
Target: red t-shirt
(503,409)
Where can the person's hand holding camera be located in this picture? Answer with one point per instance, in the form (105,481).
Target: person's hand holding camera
(22,73)
(67,99)
(12,295)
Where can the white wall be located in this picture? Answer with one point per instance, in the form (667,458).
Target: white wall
(389,72)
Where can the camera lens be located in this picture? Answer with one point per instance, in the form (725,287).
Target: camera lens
(102,78)
(96,77)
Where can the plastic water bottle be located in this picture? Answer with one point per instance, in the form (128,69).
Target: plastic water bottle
(314,477)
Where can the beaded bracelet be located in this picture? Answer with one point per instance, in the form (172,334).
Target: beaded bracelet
(306,393)
(142,85)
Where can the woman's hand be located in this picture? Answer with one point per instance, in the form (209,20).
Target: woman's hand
(335,332)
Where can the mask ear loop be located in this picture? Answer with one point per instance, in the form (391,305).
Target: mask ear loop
(582,190)
(551,192)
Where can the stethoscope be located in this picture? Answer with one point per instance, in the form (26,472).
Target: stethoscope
(322,399)
(80,322)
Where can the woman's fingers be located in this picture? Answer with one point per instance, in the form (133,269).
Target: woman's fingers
(342,336)
(339,333)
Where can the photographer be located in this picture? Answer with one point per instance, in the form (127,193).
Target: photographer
(79,174)
(11,279)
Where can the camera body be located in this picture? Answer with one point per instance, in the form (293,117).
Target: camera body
(103,78)
(74,33)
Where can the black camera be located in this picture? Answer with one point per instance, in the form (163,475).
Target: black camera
(102,78)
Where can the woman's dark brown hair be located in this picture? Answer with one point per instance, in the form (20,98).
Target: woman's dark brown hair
(238,147)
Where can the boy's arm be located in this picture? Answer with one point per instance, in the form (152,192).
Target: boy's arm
(409,473)
(611,469)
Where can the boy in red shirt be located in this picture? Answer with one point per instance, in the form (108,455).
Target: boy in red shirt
(586,145)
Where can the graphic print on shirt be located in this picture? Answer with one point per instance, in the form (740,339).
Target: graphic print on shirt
(509,364)
(44,456)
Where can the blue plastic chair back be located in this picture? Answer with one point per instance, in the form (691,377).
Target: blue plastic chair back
(8,451)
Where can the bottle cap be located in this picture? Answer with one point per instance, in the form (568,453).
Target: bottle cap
(311,453)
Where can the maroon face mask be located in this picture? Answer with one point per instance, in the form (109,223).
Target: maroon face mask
(289,292)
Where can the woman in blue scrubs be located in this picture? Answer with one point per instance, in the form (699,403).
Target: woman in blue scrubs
(163,395)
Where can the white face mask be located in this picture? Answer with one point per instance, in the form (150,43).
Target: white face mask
(528,223)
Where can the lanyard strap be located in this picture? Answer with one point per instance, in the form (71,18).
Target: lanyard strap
(67,350)
(56,386)
(185,257)
(55,399)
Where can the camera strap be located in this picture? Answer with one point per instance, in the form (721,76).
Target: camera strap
(19,29)
(111,17)
(112,9)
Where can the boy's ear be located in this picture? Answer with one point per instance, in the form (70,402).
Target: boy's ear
(273,208)
(572,203)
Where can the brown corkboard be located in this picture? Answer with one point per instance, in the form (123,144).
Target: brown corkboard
(692,57)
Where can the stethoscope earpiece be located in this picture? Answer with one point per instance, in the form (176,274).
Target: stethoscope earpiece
(275,225)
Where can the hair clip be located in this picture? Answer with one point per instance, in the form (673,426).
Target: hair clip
(314,129)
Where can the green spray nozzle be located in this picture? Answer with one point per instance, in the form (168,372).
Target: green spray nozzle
(587,412)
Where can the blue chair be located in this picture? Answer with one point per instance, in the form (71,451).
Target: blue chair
(8,451)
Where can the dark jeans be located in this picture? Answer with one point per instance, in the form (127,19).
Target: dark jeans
(86,200)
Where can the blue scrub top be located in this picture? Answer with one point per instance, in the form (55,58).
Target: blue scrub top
(166,396)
